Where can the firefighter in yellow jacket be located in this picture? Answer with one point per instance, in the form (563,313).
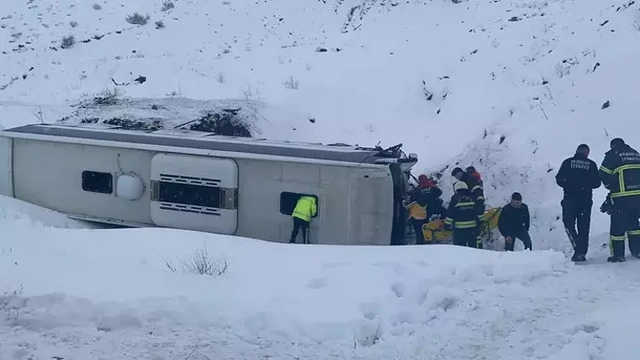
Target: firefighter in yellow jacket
(305,209)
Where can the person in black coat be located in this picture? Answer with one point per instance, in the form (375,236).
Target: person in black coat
(578,177)
(514,222)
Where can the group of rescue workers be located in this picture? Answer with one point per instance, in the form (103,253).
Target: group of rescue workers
(578,176)
(620,174)
(464,216)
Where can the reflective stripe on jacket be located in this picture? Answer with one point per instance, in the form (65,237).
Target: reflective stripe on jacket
(462,213)
(306,208)
(620,172)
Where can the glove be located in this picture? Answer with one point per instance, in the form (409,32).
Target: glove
(606,206)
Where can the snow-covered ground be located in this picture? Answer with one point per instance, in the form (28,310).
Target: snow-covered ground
(108,294)
(510,86)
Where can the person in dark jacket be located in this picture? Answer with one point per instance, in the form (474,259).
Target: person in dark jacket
(429,192)
(417,210)
(424,202)
(474,185)
(462,217)
(471,170)
(433,196)
(620,174)
(514,222)
(578,177)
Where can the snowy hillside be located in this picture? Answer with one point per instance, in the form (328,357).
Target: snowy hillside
(509,86)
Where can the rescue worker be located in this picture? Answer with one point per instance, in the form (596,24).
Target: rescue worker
(418,206)
(433,194)
(514,223)
(471,170)
(417,210)
(620,174)
(462,217)
(474,185)
(578,177)
(474,181)
(305,209)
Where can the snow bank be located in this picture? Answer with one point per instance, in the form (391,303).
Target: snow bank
(16,212)
(309,299)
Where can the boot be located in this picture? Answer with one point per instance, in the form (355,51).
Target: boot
(578,258)
(616,259)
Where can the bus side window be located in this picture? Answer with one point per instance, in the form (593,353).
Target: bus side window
(288,201)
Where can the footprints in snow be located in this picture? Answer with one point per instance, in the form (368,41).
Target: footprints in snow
(398,289)
(320,282)
(589,329)
(316,283)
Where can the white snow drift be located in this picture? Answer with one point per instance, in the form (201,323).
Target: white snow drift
(112,288)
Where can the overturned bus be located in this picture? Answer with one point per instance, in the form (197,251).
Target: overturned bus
(199,181)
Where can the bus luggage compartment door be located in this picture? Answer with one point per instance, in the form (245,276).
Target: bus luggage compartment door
(194,193)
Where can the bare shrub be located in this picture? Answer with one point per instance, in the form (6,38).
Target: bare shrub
(291,83)
(167,5)
(159,24)
(138,19)
(68,42)
(203,264)
(200,263)
(249,94)
(636,23)
(39,114)
(108,97)
(96,6)
(221,78)
(73,24)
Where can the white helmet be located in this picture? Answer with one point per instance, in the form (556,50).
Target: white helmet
(460,185)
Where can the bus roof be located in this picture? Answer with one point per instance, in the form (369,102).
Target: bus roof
(207,141)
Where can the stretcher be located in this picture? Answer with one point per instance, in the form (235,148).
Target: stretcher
(434,231)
